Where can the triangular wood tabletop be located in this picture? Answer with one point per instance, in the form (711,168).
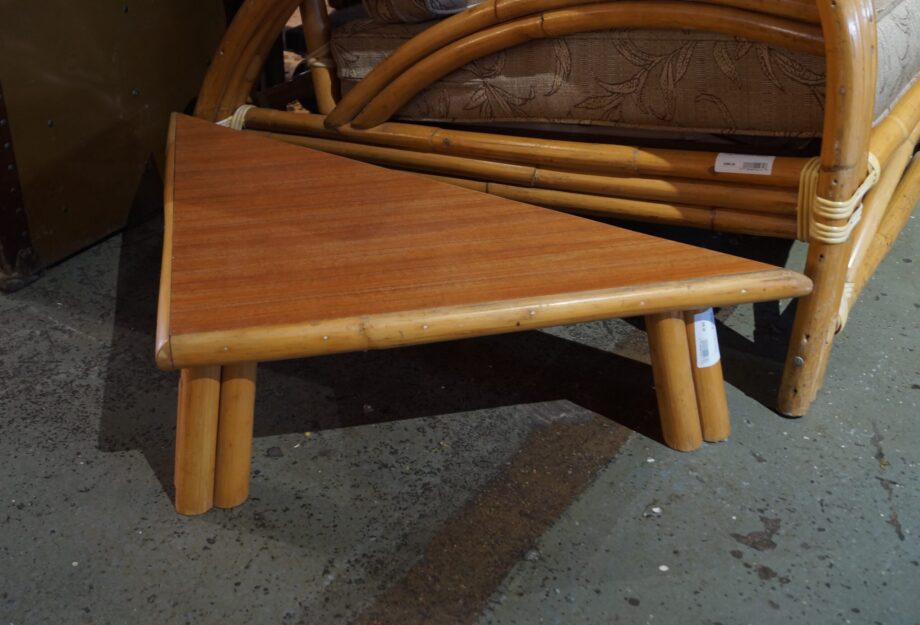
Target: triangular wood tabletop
(264,237)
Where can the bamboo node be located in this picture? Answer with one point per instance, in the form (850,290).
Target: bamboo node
(238,120)
(812,208)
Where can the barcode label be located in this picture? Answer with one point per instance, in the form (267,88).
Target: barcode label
(707,344)
(744,164)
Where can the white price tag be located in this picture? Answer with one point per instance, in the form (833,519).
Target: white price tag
(744,164)
(707,343)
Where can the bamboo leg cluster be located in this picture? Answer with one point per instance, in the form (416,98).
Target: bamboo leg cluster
(691,399)
(708,381)
(214,437)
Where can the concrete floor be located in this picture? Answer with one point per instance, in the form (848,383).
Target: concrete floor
(506,480)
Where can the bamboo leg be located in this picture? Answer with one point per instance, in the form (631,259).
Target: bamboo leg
(196,439)
(814,328)
(850,41)
(234,434)
(707,380)
(680,419)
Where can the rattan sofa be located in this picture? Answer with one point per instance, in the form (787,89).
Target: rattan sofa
(550,88)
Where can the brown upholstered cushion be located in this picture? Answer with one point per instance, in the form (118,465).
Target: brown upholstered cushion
(663,80)
(410,11)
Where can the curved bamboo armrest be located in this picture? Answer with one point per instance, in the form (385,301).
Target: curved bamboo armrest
(586,18)
(492,12)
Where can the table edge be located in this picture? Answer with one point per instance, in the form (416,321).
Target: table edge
(413,327)
(163,351)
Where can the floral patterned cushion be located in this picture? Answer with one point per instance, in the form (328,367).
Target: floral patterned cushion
(647,79)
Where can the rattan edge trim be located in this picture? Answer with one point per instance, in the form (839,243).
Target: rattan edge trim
(381,331)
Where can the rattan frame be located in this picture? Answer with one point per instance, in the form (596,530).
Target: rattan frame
(670,186)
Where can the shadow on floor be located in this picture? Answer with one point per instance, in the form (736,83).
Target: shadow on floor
(492,531)
(355,389)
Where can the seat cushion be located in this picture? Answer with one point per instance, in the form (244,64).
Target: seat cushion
(648,79)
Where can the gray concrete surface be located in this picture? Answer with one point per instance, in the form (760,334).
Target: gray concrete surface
(506,480)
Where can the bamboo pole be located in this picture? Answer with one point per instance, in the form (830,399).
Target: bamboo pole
(850,37)
(196,439)
(767,200)
(228,56)
(902,124)
(240,57)
(622,14)
(595,206)
(385,330)
(620,169)
(879,203)
(563,155)
(697,193)
(902,206)
(252,59)
(234,434)
(319,58)
(730,221)
(707,375)
(783,226)
(680,419)
(875,207)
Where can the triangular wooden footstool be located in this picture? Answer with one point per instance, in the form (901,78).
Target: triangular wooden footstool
(273,251)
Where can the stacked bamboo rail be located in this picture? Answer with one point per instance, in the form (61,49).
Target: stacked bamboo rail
(561,189)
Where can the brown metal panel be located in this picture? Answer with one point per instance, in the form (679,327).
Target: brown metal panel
(16,256)
(89,89)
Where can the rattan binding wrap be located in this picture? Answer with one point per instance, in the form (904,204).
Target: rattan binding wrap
(815,210)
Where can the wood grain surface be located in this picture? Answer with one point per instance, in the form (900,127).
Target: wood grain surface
(265,234)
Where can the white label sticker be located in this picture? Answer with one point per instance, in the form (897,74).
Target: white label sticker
(707,344)
(744,164)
